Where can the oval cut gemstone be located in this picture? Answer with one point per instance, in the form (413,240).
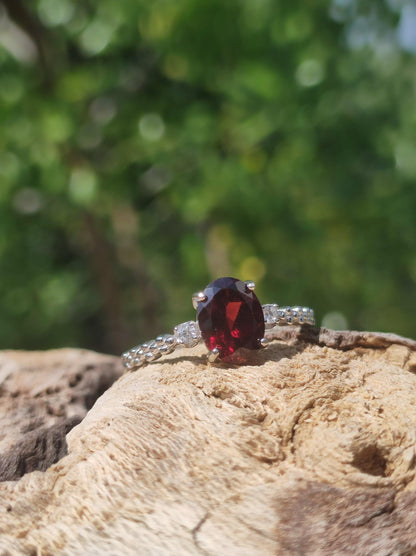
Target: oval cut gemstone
(231,317)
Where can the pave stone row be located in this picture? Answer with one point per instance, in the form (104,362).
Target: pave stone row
(281,316)
(149,351)
(188,334)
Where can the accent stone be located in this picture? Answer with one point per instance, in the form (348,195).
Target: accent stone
(187,333)
(231,317)
(271,314)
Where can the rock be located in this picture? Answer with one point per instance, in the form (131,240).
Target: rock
(42,396)
(307,448)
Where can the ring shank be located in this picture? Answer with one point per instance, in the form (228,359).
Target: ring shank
(188,335)
(283,316)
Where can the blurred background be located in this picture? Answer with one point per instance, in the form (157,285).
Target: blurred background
(147,148)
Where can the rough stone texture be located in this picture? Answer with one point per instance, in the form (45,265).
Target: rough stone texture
(307,448)
(43,395)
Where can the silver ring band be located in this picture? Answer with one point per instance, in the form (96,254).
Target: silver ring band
(188,334)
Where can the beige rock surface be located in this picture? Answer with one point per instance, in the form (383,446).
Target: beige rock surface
(307,448)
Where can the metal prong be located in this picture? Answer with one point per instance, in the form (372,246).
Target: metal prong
(197,298)
(251,285)
(213,355)
(264,342)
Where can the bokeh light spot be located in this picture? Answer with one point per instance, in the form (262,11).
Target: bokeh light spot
(55,12)
(310,73)
(155,179)
(96,37)
(89,137)
(405,158)
(151,127)
(103,110)
(56,126)
(252,268)
(158,23)
(27,201)
(335,320)
(407,28)
(83,186)
(176,67)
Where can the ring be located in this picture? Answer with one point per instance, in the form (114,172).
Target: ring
(229,317)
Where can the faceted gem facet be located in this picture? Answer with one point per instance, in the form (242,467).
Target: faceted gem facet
(231,317)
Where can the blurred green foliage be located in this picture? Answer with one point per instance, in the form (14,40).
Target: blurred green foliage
(149,147)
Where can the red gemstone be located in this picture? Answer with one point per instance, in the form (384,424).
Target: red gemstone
(231,317)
